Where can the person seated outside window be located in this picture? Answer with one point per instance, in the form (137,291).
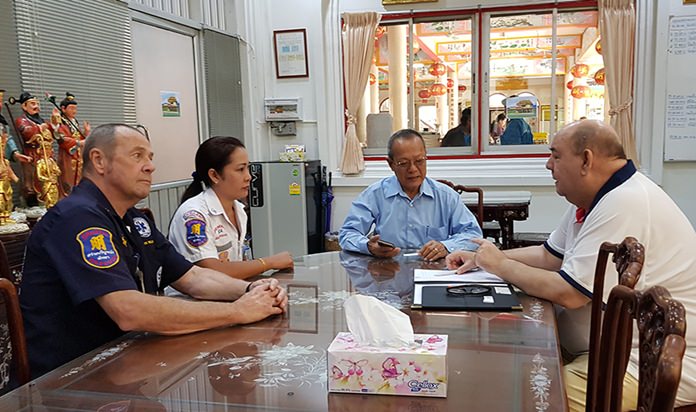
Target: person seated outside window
(517,132)
(460,135)
(497,128)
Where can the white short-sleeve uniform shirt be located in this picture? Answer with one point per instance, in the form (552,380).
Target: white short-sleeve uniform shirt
(200,229)
(629,204)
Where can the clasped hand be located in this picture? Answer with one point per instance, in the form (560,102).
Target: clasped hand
(265,298)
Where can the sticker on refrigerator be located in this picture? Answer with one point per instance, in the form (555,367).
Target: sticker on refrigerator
(294,189)
(256,185)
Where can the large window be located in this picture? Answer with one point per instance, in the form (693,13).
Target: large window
(483,83)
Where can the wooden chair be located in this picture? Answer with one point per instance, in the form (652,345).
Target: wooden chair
(15,329)
(12,256)
(5,272)
(629,256)
(661,329)
(489,229)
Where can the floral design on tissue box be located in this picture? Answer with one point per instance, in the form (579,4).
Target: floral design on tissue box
(419,370)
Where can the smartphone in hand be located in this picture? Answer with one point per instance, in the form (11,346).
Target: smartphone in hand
(384,243)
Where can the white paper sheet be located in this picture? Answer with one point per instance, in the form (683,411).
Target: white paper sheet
(449,276)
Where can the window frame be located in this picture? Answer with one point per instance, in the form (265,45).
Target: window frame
(480,23)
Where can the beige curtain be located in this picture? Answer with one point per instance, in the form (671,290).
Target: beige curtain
(617,25)
(358,48)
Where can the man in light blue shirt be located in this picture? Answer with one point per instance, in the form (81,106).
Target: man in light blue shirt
(408,210)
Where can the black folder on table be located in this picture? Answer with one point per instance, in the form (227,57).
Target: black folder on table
(501,298)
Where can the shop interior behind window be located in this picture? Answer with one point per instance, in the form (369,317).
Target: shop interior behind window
(526,94)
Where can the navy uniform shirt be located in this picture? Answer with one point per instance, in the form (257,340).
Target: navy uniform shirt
(80,250)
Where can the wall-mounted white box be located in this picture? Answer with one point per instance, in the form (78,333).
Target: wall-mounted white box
(286,109)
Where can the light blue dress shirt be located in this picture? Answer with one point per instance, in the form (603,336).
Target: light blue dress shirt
(435,213)
(10,148)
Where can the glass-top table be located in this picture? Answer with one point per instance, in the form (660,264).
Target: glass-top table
(496,361)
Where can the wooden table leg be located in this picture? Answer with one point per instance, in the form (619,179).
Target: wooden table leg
(507,232)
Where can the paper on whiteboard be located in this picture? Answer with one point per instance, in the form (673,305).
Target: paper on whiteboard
(448,276)
(680,114)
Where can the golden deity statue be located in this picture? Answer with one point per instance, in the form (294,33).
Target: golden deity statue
(47,172)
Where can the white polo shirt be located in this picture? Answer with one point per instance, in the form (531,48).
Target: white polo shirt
(629,204)
(200,229)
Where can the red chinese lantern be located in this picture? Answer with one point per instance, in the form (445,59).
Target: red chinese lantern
(450,83)
(437,69)
(581,92)
(580,70)
(424,93)
(373,79)
(461,88)
(438,89)
(599,76)
(569,85)
(598,46)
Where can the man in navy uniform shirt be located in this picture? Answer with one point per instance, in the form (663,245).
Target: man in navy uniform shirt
(94,264)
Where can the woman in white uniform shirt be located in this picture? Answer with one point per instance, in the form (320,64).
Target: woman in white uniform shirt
(209,227)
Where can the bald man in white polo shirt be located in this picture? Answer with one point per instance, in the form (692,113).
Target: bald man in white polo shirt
(610,201)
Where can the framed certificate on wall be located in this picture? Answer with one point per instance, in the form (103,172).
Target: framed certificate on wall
(291,53)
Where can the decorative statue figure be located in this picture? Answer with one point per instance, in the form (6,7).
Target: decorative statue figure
(71,140)
(47,173)
(38,144)
(8,151)
(7,176)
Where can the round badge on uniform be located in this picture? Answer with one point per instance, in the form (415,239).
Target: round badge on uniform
(142,226)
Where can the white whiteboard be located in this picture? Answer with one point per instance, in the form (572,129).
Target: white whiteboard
(680,119)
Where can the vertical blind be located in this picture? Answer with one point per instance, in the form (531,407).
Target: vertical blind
(223,84)
(9,72)
(79,47)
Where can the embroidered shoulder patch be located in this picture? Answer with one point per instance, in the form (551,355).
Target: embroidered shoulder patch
(98,247)
(195,232)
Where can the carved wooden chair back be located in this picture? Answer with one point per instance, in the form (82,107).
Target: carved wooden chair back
(12,339)
(628,257)
(460,188)
(5,264)
(661,329)
(13,255)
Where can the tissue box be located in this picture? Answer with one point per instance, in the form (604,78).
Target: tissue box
(420,370)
